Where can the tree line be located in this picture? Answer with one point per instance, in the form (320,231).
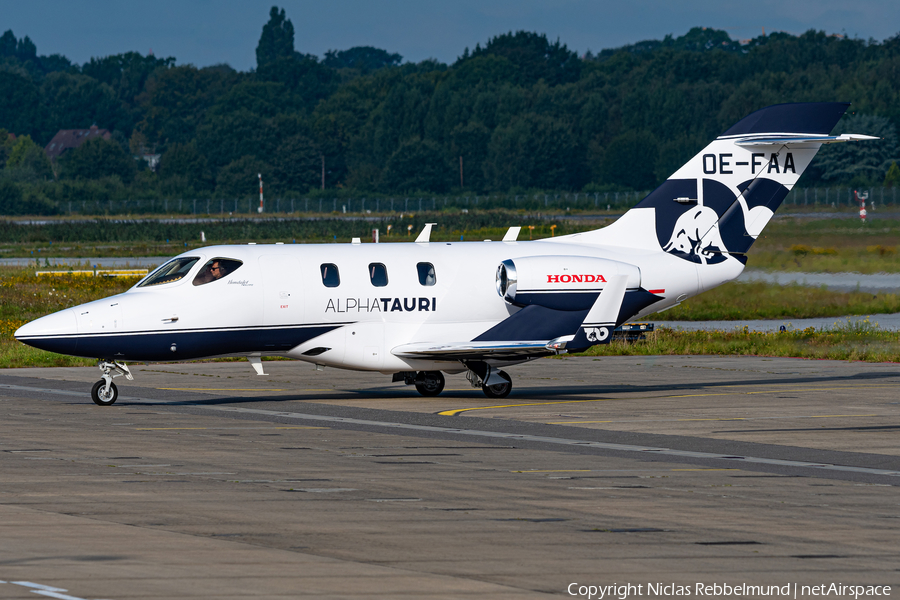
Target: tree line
(519,114)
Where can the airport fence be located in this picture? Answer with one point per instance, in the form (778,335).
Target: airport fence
(838,197)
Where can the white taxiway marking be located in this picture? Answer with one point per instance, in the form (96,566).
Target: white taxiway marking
(46,590)
(26,388)
(561,441)
(495,434)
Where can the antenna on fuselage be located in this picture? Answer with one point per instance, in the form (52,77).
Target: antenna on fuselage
(425,236)
(512,235)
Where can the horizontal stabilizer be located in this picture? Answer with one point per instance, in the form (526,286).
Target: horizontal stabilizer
(788,140)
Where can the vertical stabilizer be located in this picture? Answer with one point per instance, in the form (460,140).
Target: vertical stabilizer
(718,203)
(715,206)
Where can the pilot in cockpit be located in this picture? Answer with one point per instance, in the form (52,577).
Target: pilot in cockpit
(214,270)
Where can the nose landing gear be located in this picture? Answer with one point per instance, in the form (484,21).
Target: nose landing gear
(105,392)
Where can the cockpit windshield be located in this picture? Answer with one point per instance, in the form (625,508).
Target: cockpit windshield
(216,268)
(171,271)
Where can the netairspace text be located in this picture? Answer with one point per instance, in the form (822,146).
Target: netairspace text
(717,590)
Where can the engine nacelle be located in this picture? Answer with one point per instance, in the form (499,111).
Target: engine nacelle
(560,282)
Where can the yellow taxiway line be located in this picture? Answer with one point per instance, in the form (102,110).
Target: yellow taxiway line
(453,413)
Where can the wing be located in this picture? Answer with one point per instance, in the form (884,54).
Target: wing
(597,328)
(477,350)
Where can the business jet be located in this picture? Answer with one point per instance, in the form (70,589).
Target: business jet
(418,310)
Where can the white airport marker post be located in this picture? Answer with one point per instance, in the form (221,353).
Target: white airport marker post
(260,209)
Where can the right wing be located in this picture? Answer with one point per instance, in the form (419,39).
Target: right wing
(597,328)
(476,350)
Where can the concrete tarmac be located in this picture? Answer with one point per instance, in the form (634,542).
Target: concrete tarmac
(206,480)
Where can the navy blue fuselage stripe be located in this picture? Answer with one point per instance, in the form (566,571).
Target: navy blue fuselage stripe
(192,330)
(802,117)
(188,345)
(555,301)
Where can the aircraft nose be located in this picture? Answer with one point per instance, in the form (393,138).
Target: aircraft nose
(55,332)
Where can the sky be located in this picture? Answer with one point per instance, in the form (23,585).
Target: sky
(207,32)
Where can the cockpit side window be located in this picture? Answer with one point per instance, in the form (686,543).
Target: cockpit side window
(330,275)
(216,269)
(378,274)
(172,271)
(426,273)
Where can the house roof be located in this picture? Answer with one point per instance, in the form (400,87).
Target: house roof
(66,139)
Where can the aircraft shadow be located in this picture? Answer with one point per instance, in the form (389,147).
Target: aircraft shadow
(560,393)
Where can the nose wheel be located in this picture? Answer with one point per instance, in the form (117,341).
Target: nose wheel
(105,392)
(104,395)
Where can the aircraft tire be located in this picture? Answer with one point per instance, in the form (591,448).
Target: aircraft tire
(498,390)
(430,383)
(101,399)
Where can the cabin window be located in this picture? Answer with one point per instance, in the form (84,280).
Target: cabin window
(426,274)
(170,272)
(330,275)
(378,274)
(216,269)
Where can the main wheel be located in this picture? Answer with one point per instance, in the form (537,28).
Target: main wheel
(101,397)
(498,390)
(430,383)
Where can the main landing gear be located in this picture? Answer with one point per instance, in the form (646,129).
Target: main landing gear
(430,383)
(498,390)
(105,392)
(493,382)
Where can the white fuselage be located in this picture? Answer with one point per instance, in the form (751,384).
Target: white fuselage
(276,302)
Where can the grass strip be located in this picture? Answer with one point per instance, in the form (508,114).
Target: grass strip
(735,301)
(860,341)
(24,297)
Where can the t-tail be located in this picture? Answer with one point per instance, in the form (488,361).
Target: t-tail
(717,204)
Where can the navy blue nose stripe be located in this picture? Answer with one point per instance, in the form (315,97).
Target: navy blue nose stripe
(188,344)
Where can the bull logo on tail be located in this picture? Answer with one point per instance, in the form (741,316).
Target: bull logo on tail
(695,234)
